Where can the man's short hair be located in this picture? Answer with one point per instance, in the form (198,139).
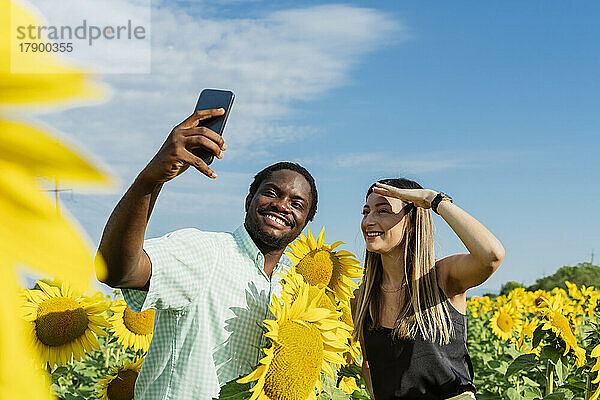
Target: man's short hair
(266,173)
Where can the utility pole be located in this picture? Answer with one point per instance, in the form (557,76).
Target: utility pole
(592,261)
(56,190)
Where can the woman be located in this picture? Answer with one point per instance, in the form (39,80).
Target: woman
(409,312)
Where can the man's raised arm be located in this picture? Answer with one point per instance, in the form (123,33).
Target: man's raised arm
(123,237)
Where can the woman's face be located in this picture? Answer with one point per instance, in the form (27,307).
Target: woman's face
(383,222)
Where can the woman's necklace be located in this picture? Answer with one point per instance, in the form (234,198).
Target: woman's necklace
(384,290)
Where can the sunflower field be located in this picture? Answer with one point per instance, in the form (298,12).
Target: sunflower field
(536,345)
(91,346)
(524,345)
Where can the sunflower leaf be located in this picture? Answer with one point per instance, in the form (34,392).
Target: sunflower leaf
(512,394)
(538,335)
(555,396)
(551,353)
(234,391)
(353,371)
(359,396)
(530,393)
(523,362)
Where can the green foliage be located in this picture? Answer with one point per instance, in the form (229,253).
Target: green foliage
(509,287)
(582,274)
(78,379)
(503,372)
(234,391)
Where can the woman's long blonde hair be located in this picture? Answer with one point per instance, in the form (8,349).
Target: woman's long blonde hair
(423,307)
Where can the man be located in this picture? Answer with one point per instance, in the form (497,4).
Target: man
(211,290)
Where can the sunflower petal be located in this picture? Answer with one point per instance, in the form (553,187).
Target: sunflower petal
(321,238)
(27,213)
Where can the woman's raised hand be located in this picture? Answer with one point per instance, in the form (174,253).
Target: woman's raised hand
(419,197)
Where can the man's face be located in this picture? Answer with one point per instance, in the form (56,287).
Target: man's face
(278,211)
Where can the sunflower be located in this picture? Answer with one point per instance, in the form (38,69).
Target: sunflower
(505,320)
(318,263)
(132,329)
(559,324)
(524,341)
(348,384)
(526,346)
(479,306)
(120,384)
(574,292)
(63,325)
(596,368)
(293,282)
(352,356)
(304,343)
(32,232)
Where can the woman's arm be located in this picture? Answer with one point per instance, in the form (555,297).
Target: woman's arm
(464,271)
(461,271)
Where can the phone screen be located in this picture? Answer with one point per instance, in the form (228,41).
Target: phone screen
(209,99)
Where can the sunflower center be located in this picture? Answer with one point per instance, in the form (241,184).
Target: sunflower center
(336,273)
(316,267)
(141,323)
(121,388)
(296,363)
(60,320)
(505,322)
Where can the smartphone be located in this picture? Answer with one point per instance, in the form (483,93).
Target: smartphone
(209,99)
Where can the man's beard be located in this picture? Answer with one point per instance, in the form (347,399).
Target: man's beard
(270,242)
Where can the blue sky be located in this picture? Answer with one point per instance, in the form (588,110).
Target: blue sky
(492,102)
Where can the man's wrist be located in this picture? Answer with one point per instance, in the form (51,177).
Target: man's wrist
(144,185)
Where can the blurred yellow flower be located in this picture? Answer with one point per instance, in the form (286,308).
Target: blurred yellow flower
(39,77)
(31,231)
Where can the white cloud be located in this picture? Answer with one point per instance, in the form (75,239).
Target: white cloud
(271,63)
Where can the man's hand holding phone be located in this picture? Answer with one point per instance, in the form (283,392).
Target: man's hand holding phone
(175,155)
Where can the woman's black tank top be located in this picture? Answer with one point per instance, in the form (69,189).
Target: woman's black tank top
(417,368)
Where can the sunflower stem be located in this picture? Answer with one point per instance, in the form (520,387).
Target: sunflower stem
(107,357)
(549,378)
(118,355)
(588,387)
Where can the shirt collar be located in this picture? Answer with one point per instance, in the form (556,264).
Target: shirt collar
(245,242)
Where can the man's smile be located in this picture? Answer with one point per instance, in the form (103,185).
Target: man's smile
(275,219)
